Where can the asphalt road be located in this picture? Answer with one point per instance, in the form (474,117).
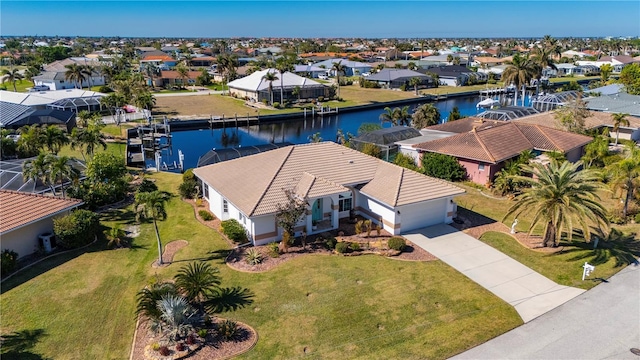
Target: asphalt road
(602,323)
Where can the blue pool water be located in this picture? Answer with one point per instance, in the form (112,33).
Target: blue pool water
(194,143)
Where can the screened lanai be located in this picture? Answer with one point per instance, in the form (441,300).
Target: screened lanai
(77,104)
(385,139)
(215,156)
(11,177)
(550,102)
(507,113)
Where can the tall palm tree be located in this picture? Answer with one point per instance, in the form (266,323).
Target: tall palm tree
(196,281)
(605,72)
(151,71)
(55,138)
(87,140)
(183,75)
(12,76)
(37,169)
(339,69)
(619,119)
(32,71)
(270,77)
(415,82)
(31,140)
(424,116)
(519,72)
(144,99)
(625,177)
(543,58)
(151,205)
(388,116)
(283,65)
(75,73)
(403,116)
(87,71)
(60,168)
(559,195)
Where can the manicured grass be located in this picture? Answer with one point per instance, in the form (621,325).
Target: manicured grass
(116,148)
(565,267)
(21,86)
(334,306)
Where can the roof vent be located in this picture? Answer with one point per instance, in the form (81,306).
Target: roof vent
(350,161)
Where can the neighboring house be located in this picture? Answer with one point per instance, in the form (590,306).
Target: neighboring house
(572,54)
(596,120)
(334,180)
(15,116)
(310,71)
(54,76)
(68,100)
(203,61)
(172,77)
(617,62)
(396,78)
(158,59)
(406,146)
(483,151)
(457,75)
(24,217)
(352,68)
(255,88)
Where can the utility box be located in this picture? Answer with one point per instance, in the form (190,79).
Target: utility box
(47,241)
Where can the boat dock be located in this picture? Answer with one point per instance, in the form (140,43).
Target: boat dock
(151,138)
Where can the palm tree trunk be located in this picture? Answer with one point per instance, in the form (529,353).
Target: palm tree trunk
(515,97)
(617,135)
(549,239)
(281,90)
(625,208)
(155,224)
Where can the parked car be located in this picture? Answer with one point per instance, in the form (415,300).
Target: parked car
(323,77)
(39,88)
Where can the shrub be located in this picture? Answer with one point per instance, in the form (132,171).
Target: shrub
(397,243)
(205,215)
(228,330)
(371,149)
(180,347)
(276,104)
(443,167)
(274,250)
(77,229)
(358,227)
(342,247)
(253,257)
(147,186)
(155,346)
(637,218)
(355,246)
(367,227)
(8,261)
(234,231)
(321,98)
(164,350)
(199,202)
(189,187)
(105,89)
(331,243)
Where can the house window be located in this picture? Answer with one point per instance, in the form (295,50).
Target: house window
(344,203)
(206,191)
(480,167)
(225,206)
(242,218)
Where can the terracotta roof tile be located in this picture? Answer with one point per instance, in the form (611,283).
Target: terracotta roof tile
(595,120)
(18,209)
(466,124)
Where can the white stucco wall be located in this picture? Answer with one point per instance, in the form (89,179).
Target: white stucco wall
(388,214)
(24,240)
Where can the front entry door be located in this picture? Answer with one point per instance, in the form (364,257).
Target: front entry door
(316,213)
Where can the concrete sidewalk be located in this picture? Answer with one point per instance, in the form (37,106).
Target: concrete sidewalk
(529,292)
(603,323)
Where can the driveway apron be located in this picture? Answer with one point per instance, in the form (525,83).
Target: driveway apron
(530,293)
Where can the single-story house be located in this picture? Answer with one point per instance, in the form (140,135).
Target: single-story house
(456,75)
(255,88)
(172,77)
(333,180)
(310,71)
(596,120)
(24,217)
(489,61)
(616,103)
(351,68)
(406,146)
(15,116)
(483,152)
(54,74)
(396,78)
(81,99)
(617,62)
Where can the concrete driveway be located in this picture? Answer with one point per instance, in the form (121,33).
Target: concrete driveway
(530,293)
(603,323)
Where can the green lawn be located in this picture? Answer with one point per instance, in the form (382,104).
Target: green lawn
(565,267)
(335,307)
(21,86)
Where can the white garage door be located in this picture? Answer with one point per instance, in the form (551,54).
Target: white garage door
(416,216)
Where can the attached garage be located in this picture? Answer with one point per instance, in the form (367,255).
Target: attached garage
(419,215)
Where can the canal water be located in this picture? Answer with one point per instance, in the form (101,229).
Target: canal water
(195,143)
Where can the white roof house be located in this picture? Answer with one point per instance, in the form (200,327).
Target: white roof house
(42,98)
(334,181)
(255,87)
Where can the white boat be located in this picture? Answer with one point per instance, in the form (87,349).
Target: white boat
(487,103)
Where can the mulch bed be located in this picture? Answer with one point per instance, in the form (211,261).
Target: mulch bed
(170,249)
(209,348)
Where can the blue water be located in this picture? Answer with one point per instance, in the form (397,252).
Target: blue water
(195,143)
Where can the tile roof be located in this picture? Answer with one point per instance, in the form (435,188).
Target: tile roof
(255,183)
(256,81)
(19,209)
(173,74)
(595,120)
(394,74)
(465,125)
(505,141)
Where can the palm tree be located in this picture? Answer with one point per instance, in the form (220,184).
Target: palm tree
(116,236)
(625,177)
(176,317)
(283,65)
(559,195)
(596,151)
(151,205)
(543,58)
(388,116)
(196,281)
(87,140)
(270,77)
(183,74)
(144,99)
(415,82)
(87,71)
(37,169)
(403,116)
(449,59)
(339,69)
(75,73)
(519,72)
(605,72)
(54,139)
(619,119)
(60,168)
(32,71)
(31,140)
(151,71)
(297,90)
(424,116)
(12,76)
(148,298)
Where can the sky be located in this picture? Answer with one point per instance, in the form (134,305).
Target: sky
(309,19)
